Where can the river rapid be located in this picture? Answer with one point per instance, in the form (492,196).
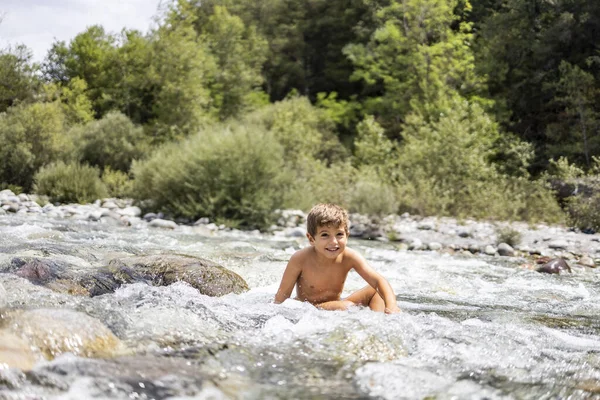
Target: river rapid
(471,327)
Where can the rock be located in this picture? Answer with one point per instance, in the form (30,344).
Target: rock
(110,205)
(295,232)
(426,226)
(15,352)
(207,277)
(2,211)
(58,331)
(435,246)
(162,223)
(474,249)
(555,266)
(505,249)
(464,234)
(95,215)
(558,244)
(402,246)
(2,297)
(23,197)
(587,261)
(200,221)
(36,270)
(130,211)
(357,229)
(415,244)
(489,250)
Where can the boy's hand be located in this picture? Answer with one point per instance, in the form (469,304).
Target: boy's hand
(392,309)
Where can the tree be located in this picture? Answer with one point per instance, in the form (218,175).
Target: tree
(180,72)
(420,52)
(18,80)
(240,53)
(575,134)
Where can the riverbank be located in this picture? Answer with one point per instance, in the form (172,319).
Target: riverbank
(409,232)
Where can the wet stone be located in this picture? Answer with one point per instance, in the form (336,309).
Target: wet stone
(587,261)
(505,249)
(15,352)
(58,331)
(555,266)
(3,300)
(207,277)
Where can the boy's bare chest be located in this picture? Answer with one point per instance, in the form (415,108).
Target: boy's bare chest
(323,279)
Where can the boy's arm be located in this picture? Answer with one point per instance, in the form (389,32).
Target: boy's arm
(376,281)
(290,276)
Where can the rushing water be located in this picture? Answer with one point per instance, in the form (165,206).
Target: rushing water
(471,328)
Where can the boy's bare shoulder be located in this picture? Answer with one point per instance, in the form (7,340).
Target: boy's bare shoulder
(302,254)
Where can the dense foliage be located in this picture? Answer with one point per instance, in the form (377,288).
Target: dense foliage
(446,107)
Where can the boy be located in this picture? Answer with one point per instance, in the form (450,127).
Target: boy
(319,271)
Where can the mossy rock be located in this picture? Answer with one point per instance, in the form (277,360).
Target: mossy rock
(206,276)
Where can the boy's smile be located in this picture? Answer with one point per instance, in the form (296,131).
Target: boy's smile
(329,241)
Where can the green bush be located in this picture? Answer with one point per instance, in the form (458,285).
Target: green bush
(227,173)
(30,136)
(446,167)
(71,182)
(508,235)
(113,141)
(584,212)
(313,181)
(303,130)
(117,183)
(371,195)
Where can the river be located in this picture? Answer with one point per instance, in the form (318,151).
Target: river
(471,327)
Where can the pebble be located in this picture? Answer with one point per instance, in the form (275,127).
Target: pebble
(587,261)
(505,249)
(434,246)
(415,244)
(162,223)
(489,250)
(558,244)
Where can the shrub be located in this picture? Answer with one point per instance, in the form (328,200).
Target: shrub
(508,235)
(445,167)
(30,136)
(303,130)
(370,195)
(313,181)
(227,173)
(114,141)
(584,212)
(117,183)
(71,182)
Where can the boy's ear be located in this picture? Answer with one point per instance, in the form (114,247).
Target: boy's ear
(311,240)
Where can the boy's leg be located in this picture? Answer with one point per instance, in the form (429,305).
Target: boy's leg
(368,297)
(335,305)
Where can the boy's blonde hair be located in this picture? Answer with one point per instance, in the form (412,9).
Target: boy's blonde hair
(326,215)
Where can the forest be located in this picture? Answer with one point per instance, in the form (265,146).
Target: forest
(232,109)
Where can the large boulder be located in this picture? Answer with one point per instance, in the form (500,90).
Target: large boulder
(208,277)
(58,331)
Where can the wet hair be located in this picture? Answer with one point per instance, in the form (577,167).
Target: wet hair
(326,215)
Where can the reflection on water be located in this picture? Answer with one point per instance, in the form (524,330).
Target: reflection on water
(471,327)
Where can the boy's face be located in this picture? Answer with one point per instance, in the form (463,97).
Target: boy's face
(329,241)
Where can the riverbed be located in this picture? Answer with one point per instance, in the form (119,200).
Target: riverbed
(471,328)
